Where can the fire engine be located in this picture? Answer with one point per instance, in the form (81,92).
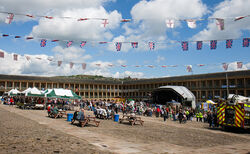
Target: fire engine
(235,112)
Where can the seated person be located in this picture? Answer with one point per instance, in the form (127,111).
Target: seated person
(80,115)
(55,110)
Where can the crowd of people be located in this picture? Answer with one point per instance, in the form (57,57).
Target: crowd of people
(107,109)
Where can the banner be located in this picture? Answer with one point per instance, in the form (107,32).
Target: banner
(213,44)
(191,23)
(220,23)
(229,43)
(9,18)
(118,46)
(15,57)
(84,66)
(199,45)
(59,63)
(225,66)
(151,45)
(43,43)
(184,46)
(134,44)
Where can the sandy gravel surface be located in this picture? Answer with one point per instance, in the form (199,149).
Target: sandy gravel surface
(20,135)
(156,136)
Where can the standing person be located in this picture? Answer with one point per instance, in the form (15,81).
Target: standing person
(200,116)
(209,118)
(165,114)
(158,112)
(180,117)
(197,116)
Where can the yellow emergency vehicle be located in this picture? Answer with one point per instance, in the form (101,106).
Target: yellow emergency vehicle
(235,112)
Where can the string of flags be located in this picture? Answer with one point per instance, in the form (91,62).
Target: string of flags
(170,22)
(151,45)
(189,68)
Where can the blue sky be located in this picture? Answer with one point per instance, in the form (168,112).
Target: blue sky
(148,24)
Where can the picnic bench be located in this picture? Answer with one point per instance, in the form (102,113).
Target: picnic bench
(87,121)
(60,114)
(131,119)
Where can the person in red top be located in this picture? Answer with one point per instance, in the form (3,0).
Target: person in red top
(49,109)
(11,101)
(158,111)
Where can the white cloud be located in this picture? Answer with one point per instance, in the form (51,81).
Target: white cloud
(233,66)
(128,74)
(233,29)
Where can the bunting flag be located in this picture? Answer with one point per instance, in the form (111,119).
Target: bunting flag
(27,57)
(5,35)
(134,44)
(213,44)
(49,59)
(83,43)
(43,43)
(189,68)
(29,38)
(184,45)
(59,63)
(124,65)
(191,23)
(118,46)
(31,16)
(239,64)
(48,17)
(54,40)
(15,57)
(1,54)
(151,66)
(229,43)
(137,65)
(170,23)
(220,23)
(199,45)
(246,42)
(82,19)
(71,65)
(151,45)
(9,18)
(125,20)
(98,65)
(105,22)
(164,66)
(239,18)
(225,66)
(17,36)
(69,43)
(103,42)
(38,58)
(110,65)
(200,65)
(84,66)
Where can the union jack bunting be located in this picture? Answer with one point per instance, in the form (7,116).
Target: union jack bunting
(98,65)
(69,43)
(83,43)
(49,59)
(134,44)
(29,38)
(17,36)
(110,65)
(84,66)
(59,63)
(191,23)
(54,40)
(118,46)
(28,15)
(43,43)
(5,35)
(189,68)
(71,65)
(229,43)
(225,66)
(220,23)
(1,54)
(213,44)
(199,45)
(184,45)
(200,65)
(170,23)
(151,45)
(239,18)
(124,65)
(246,42)
(9,18)
(164,66)
(239,64)
(15,57)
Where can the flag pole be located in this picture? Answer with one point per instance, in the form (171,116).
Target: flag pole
(227,84)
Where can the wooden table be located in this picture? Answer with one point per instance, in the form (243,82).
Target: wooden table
(131,119)
(87,121)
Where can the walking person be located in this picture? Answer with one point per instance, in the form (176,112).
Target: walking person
(165,114)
